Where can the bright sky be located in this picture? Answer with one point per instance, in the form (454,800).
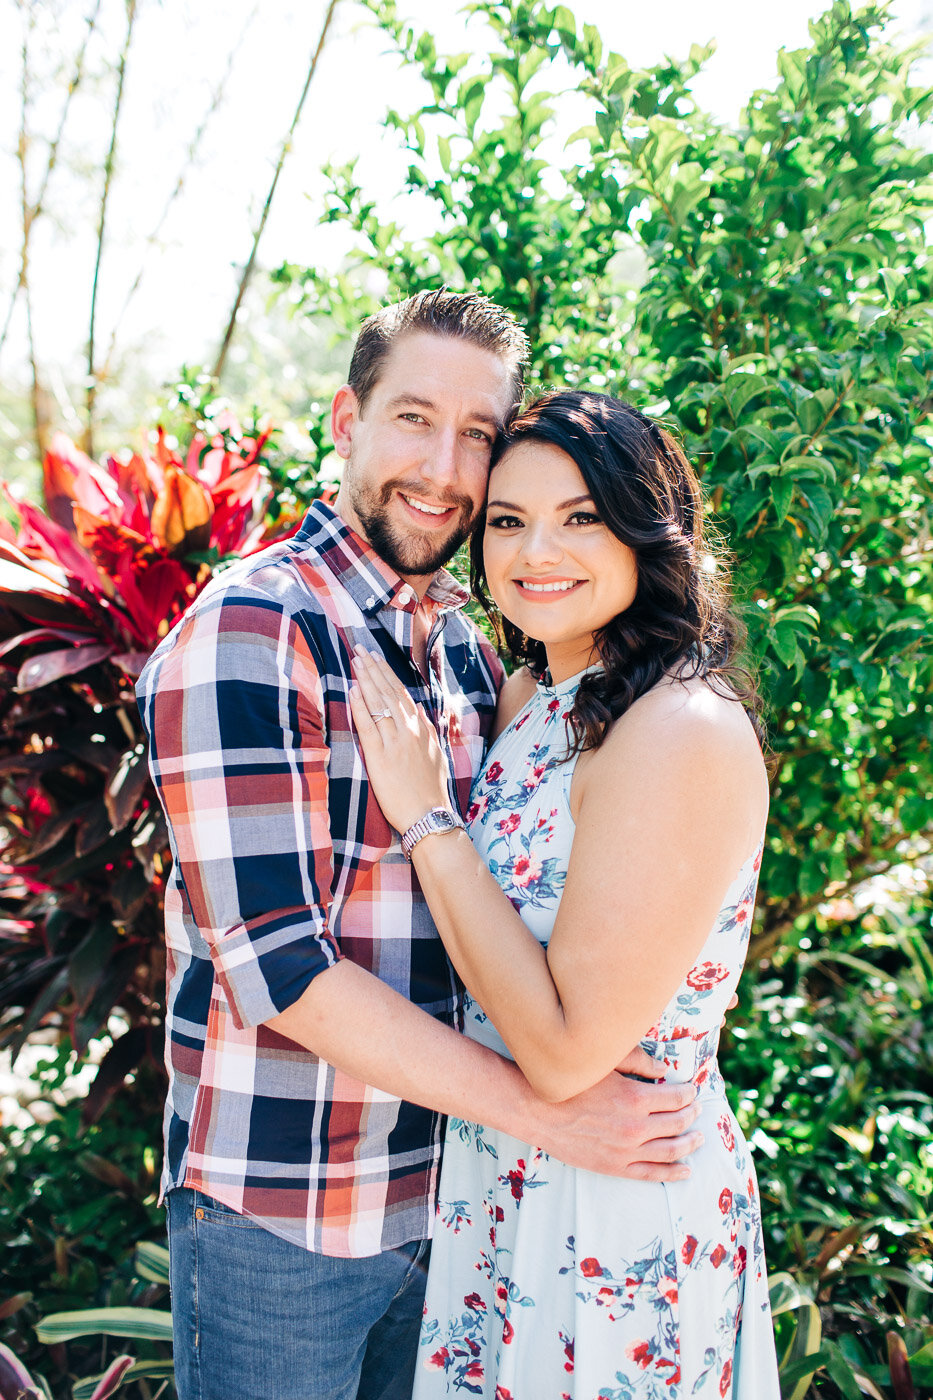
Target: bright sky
(178,58)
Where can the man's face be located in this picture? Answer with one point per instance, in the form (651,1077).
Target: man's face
(418,455)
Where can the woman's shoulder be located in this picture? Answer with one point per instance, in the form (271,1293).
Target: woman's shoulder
(517,690)
(689,730)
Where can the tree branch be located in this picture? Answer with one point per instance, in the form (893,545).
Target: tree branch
(30,214)
(286,147)
(187,163)
(108,179)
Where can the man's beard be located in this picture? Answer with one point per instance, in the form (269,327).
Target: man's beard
(403,550)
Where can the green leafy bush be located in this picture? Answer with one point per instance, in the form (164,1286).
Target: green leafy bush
(75,1201)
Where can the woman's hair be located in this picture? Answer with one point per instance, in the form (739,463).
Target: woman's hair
(647,493)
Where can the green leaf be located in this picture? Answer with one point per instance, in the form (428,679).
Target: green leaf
(782,494)
(147,1323)
(152,1261)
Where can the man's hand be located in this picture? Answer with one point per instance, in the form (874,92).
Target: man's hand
(622,1127)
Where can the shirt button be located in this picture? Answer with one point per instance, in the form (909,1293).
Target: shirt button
(370,601)
(405,596)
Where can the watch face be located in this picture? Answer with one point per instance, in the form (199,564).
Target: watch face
(443,820)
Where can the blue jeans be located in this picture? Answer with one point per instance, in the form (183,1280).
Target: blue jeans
(258,1318)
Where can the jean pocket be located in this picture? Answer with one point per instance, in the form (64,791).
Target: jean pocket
(206,1208)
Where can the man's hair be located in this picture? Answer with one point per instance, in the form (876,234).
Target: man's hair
(461,315)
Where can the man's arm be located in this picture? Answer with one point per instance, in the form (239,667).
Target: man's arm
(619,1127)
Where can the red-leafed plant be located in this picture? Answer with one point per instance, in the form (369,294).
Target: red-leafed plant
(87,589)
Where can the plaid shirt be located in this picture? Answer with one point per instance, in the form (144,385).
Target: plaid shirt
(283,864)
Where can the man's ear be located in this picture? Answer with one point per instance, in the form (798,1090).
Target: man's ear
(344,412)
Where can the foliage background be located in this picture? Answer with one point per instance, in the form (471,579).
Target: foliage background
(764,288)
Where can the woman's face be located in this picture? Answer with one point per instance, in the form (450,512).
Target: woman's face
(553,568)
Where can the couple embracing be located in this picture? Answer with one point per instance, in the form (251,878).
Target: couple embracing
(405,889)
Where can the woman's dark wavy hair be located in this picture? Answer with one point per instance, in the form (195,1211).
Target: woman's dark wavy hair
(647,493)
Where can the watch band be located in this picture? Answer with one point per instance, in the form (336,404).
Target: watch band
(438,819)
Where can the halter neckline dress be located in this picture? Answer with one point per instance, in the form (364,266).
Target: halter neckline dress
(552,1283)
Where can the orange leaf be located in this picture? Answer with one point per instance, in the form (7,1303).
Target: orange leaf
(181,515)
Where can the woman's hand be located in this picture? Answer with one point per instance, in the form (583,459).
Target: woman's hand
(404,760)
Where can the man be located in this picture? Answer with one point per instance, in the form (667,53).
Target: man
(312,1046)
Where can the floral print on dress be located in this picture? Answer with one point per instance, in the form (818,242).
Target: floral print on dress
(548,1283)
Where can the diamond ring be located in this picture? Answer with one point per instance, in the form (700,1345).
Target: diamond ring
(381,714)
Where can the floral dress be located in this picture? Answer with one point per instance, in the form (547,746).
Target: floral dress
(548,1282)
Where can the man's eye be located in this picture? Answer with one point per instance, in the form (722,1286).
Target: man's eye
(479,436)
(503,522)
(412,417)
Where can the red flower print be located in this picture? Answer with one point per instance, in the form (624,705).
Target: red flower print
(568,1350)
(502,1393)
(509,823)
(739,1260)
(640,1353)
(717,1256)
(508,1332)
(534,777)
(553,706)
(688,1248)
(475,1371)
(493,772)
(502,1293)
(751,1187)
(472,812)
(591,1268)
(524,720)
(438,1361)
(525,871)
(500,1215)
(474,1301)
(706,975)
(516,1179)
(756,864)
(726,1133)
(667,1287)
(741,914)
(725,1200)
(605,1295)
(725,1380)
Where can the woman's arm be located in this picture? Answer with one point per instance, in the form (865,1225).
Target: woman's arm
(668,808)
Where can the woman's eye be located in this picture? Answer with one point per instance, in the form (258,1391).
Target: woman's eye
(584,517)
(478,435)
(503,522)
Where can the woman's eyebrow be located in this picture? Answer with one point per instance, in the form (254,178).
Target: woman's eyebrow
(564,505)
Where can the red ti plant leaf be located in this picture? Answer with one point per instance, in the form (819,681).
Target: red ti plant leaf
(106,540)
(42,634)
(52,665)
(72,478)
(43,537)
(181,515)
(125,786)
(153,596)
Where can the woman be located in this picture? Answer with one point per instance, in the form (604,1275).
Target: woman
(600,898)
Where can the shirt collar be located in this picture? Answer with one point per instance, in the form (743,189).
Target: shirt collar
(369,580)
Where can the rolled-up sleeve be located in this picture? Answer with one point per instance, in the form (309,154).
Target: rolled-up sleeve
(234,709)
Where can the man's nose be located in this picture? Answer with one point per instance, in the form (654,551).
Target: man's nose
(440,466)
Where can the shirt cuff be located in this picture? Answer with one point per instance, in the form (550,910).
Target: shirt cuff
(264,965)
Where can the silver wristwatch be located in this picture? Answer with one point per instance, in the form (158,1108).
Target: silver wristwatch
(438,819)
